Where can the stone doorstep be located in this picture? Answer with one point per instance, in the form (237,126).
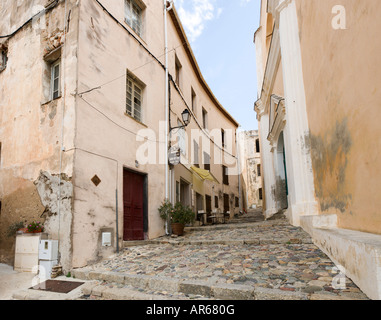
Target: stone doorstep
(195,287)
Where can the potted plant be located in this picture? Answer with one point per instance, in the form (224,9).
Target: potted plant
(178,215)
(35,227)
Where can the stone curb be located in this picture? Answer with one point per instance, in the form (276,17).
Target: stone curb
(256,241)
(194,287)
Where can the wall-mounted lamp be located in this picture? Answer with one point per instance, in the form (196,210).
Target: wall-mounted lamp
(186,116)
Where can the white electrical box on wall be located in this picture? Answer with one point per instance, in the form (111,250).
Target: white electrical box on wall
(48,250)
(106,239)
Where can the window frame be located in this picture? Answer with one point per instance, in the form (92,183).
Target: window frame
(196,159)
(129,6)
(205,118)
(136,84)
(225,176)
(194,101)
(178,67)
(53,78)
(206,161)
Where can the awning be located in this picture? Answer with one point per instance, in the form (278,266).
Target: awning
(204,174)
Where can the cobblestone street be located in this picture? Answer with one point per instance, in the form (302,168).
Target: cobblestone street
(247,258)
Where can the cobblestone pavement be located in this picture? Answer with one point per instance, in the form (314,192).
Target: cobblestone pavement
(275,259)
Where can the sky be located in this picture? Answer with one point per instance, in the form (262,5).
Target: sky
(221,34)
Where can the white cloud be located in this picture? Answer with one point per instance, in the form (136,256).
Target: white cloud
(244,2)
(195,13)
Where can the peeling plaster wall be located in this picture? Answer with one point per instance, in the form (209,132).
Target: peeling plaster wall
(342,75)
(58,213)
(31,124)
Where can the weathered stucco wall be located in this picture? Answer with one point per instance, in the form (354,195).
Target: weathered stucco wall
(30,122)
(106,138)
(250,159)
(342,73)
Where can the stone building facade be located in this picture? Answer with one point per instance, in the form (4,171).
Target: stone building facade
(251,169)
(83,124)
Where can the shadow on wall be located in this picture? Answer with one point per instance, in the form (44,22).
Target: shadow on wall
(329,155)
(279,193)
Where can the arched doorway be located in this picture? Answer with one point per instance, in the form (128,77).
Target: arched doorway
(281,187)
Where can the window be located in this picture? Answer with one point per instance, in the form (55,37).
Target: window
(223,138)
(177,71)
(259,170)
(257,145)
(55,86)
(204,118)
(134,98)
(3,60)
(225,176)
(193,101)
(236,202)
(206,161)
(134,16)
(260,194)
(195,154)
(226,203)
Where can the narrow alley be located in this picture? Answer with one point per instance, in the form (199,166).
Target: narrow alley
(247,258)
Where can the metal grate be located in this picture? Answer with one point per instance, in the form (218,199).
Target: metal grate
(57,286)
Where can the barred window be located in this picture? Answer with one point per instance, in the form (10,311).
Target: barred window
(134,99)
(133,16)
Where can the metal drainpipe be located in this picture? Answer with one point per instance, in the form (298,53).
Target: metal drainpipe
(166,9)
(62,132)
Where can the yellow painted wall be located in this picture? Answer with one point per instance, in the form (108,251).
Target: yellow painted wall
(342,77)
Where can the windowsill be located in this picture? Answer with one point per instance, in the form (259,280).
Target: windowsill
(51,100)
(134,32)
(137,121)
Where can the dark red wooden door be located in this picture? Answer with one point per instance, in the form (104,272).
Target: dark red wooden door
(133,201)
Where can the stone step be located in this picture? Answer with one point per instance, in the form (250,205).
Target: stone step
(253,241)
(148,288)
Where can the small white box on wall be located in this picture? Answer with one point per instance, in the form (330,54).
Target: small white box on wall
(106,239)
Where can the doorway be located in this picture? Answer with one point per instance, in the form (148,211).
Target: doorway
(208,204)
(226,203)
(135,208)
(281,175)
(185,193)
(199,202)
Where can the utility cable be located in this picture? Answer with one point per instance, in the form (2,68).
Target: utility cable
(117,124)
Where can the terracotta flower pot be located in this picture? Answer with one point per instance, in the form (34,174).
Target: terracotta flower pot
(177,229)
